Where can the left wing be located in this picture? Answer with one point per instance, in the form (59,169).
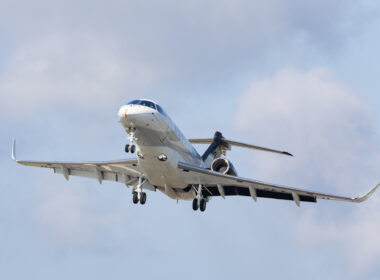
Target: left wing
(219,184)
(123,171)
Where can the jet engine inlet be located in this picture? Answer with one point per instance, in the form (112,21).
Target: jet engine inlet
(224,166)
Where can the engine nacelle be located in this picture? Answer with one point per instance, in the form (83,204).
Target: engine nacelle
(224,166)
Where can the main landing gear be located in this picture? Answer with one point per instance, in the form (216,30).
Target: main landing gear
(130,148)
(199,202)
(138,194)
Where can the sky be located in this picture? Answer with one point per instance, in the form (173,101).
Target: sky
(300,76)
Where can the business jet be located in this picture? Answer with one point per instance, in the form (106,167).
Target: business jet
(167,161)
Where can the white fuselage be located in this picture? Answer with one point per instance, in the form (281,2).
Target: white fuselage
(160,146)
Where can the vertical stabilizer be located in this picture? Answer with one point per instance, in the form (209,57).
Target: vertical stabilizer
(216,149)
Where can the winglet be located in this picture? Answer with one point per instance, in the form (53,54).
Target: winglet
(14,150)
(366,196)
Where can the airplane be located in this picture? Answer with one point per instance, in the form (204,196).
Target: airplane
(168,162)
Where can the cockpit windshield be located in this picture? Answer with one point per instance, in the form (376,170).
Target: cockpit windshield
(150,105)
(144,103)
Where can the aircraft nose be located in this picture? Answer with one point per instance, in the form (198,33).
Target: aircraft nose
(123,113)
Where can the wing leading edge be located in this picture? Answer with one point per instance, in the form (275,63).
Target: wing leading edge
(123,171)
(219,184)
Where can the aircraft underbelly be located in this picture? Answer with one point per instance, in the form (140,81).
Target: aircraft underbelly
(161,173)
(159,151)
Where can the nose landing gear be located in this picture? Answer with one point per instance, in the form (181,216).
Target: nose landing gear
(132,138)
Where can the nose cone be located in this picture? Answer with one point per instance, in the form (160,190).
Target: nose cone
(132,115)
(128,114)
(122,114)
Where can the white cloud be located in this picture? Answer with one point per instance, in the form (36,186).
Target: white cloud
(356,235)
(332,136)
(61,216)
(319,120)
(70,217)
(75,71)
(94,53)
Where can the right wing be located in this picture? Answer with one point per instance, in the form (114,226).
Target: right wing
(122,171)
(219,184)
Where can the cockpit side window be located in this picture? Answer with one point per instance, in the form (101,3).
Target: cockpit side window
(159,109)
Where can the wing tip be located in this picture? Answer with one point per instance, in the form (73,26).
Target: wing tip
(367,195)
(14,151)
(288,154)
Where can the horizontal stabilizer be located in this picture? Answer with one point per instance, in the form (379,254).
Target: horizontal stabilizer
(237,144)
